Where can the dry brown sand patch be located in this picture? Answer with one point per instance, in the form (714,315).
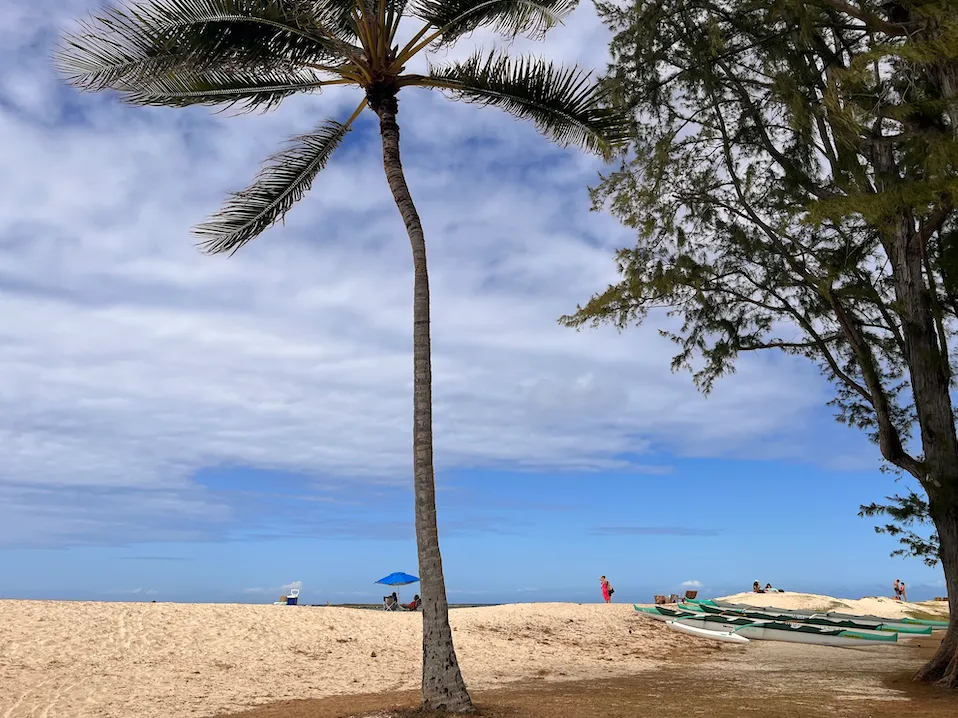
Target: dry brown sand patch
(786,681)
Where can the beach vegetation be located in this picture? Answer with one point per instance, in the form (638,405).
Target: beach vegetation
(792,181)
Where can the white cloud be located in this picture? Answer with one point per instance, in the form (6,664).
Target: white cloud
(129,361)
(691,584)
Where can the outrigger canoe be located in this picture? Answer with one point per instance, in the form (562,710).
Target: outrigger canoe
(765,630)
(816,619)
(725,636)
(827,614)
(740,620)
(926,622)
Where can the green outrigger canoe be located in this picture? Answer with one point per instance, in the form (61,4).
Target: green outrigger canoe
(817,620)
(915,626)
(926,622)
(723,627)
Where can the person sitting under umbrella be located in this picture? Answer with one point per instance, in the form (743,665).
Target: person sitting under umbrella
(391,602)
(396,579)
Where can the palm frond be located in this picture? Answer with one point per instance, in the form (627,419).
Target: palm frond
(157,37)
(561,102)
(337,15)
(283,180)
(250,90)
(506,17)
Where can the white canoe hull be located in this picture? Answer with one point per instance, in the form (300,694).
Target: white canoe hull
(864,624)
(757,632)
(798,623)
(709,625)
(887,624)
(726,636)
(660,617)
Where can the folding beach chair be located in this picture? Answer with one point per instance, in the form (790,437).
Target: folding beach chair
(390,604)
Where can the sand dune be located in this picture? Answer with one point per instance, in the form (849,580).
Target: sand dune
(79,659)
(873,605)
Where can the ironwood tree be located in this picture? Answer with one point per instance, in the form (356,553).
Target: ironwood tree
(905,513)
(253,54)
(792,182)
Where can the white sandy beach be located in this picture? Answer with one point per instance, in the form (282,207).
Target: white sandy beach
(78,659)
(83,659)
(871,606)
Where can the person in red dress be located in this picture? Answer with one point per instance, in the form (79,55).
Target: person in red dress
(607,589)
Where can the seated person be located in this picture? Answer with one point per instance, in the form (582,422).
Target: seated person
(391,602)
(414,604)
(756,588)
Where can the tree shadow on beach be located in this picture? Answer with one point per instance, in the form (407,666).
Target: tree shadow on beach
(687,689)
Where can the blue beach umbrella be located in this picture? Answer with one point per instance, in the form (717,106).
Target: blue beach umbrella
(398,579)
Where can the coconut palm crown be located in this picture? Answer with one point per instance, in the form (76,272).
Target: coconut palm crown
(253,54)
(256,53)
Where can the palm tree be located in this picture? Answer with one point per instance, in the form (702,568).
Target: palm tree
(255,53)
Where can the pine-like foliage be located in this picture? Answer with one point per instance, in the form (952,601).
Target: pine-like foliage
(904,513)
(755,192)
(792,184)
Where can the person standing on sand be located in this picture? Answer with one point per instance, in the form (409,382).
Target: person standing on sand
(901,586)
(607,589)
(897,587)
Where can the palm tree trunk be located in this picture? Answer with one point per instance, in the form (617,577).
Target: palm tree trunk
(442,684)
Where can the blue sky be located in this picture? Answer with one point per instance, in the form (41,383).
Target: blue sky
(183,427)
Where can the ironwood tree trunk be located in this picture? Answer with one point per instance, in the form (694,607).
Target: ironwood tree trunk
(942,455)
(442,685)
(943,668)
(925,346)
(930,384)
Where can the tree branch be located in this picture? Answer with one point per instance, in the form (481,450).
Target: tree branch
(871,20)
(759,125)
(788,345)
(889,438)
